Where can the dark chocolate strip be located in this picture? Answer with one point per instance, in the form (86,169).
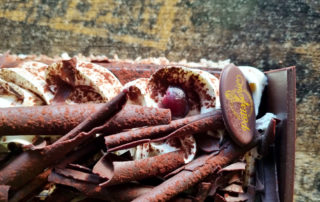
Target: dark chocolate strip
(30,163)
(125,192)
(63,92)
(4,192)
(31,188)
(125,171)
(151,132)
(207,143)
(60,119)
(79,175)
(79,167)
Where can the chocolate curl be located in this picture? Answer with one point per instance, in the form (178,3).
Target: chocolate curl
(151,132)
(44,120)
(213,122)
(4,190)
(32,187)
(60,119)
(118,172)
(199,169)
(134,116)
(30,163)
(125,192)
(194,172)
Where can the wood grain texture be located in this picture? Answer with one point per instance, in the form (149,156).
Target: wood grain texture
(266,34)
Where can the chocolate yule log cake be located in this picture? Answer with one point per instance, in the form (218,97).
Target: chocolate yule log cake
(94,128)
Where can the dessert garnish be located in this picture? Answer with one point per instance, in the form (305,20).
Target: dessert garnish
(32,162)
(161,138)
(60,119)
(237,105)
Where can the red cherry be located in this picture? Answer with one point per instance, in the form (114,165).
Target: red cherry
(175,99)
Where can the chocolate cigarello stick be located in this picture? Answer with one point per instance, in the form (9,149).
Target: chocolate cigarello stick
(119,172)
(60,119)
(32,162)
(151,132)
(125,192)
(44,120)
(133,116)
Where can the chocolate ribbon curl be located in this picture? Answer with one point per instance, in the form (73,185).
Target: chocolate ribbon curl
(129,137)
(125,192)
(118,172)
(198,170)
(60,119)
(30,163)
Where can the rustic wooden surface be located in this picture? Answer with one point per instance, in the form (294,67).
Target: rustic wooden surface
(266,34)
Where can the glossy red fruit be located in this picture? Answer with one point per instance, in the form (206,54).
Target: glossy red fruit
(175,99)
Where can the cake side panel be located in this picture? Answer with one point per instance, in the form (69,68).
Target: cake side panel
(281,101)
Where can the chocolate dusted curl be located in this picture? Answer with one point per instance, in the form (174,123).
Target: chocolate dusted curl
(180,127)
(30,163)
(60,119)
(200,168)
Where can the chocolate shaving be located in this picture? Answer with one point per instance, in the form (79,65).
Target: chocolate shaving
(233,188)
(32,162)
(118,172)
(63,92)
(125,192)
(189,177)
(31,188)
(79,167)
(4,192)
(79,175)
(81,152)
(207,143)
(234,167)
(151,132)
(60,119)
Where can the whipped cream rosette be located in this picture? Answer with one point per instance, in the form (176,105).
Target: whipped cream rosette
(201,89)
(82,81)
(32,83)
